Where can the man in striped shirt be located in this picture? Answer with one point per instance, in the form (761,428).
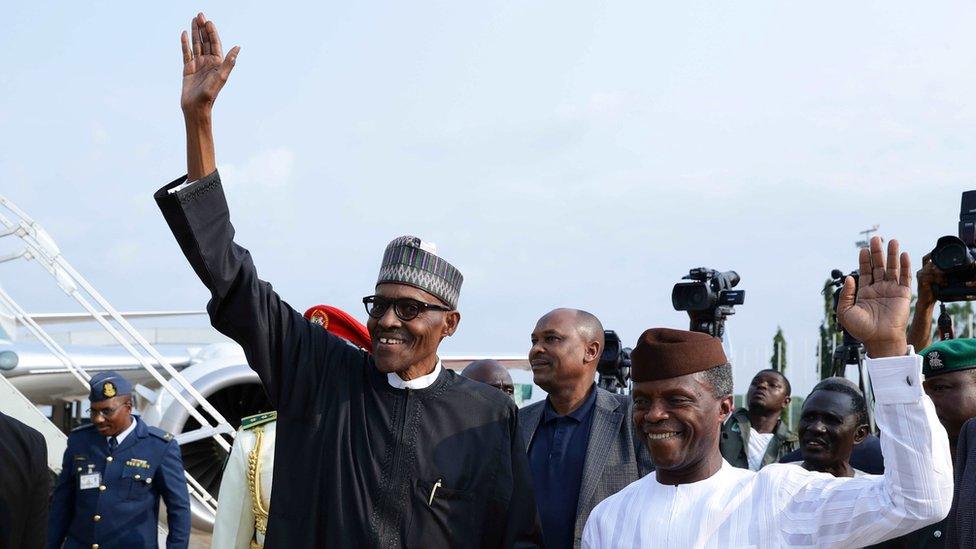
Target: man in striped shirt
(682,394)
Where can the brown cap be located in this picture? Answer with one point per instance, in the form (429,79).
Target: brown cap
(663,353)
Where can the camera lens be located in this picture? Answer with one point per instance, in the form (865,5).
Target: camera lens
(950,254)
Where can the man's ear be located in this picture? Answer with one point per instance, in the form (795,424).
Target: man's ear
(786,402)
(592,352)
(861,433)
(451,321)
(726,407)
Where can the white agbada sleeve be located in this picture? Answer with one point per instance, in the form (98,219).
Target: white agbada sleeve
(234,525)
(915,490)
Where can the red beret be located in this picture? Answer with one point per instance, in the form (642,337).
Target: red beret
(663,353)
(341,324)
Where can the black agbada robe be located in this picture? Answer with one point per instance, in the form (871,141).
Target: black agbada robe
(356,460)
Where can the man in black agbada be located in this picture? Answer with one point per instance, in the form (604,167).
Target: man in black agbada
(391,450)
(25,485)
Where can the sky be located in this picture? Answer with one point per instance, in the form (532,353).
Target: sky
(559,153)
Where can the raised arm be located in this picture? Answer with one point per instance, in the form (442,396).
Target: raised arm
(287,352)
(916,488)
(920,331)
(205,71)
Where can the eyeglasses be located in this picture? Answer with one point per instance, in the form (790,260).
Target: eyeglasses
(104,412)
(405,308)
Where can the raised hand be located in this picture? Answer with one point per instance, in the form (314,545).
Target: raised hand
(879,317)
(205,69)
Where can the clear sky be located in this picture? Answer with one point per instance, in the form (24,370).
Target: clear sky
(581,154)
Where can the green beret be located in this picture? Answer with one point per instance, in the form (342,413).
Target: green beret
(947,356)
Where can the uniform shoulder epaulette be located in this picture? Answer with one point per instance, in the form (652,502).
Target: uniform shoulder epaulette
(159,433)
(251,422)
(82,427)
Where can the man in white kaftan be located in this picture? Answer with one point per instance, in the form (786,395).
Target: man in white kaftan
(705,502)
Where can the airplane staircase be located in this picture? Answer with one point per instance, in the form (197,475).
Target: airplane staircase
(41,248)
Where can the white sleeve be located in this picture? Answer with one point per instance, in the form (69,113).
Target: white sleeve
(915,490)
(234,524)
(591,530)
(182,186)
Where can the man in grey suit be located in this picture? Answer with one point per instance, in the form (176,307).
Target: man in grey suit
(580,440)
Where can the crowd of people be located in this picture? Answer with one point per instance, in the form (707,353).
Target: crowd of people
(374,443)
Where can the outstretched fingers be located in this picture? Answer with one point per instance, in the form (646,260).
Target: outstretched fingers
(877,260)
(214,39)
(228,63)
(185,43)
(864,265)
(845,300)
(892,265)
(195,36)
(906,271)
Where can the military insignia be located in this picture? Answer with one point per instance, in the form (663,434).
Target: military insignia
(108,389)
(934,361)
(319,317)
(141,463)
(251,422)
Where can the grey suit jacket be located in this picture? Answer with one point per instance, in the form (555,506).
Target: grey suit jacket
(614,456)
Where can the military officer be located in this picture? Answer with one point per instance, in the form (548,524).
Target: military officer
(245,489)
(114,471)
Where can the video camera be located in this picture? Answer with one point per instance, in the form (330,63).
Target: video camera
(955,255)
(850,351)
(614,365)
(709,299)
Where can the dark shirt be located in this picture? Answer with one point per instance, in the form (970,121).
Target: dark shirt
(358,463)
(556,460)
(24,485)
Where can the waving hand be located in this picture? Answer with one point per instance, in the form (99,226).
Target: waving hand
(205,69)
(879,316)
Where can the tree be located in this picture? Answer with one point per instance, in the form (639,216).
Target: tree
(778,360)
(830,335)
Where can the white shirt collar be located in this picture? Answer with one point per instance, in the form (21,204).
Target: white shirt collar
(121,436)
(421,382)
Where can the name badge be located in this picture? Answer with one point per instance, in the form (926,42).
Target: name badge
(89,481)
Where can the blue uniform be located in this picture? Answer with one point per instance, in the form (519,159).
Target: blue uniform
(111,500)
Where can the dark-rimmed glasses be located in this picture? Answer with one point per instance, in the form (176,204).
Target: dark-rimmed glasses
(405,308)
(105,413)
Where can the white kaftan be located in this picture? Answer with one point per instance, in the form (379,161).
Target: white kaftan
(787,506)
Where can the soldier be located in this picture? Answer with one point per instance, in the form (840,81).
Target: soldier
(114,471)
(245,489)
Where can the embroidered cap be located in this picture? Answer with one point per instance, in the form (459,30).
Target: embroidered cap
(947,356)
(105,385)
(411,261)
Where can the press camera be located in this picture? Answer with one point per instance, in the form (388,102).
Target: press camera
(614,365)
(708,299)
(955,255)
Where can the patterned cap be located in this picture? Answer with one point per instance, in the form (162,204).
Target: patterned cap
(408,260)
(947,356)
(105,385)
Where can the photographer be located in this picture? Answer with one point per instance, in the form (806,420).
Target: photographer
(920,331)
